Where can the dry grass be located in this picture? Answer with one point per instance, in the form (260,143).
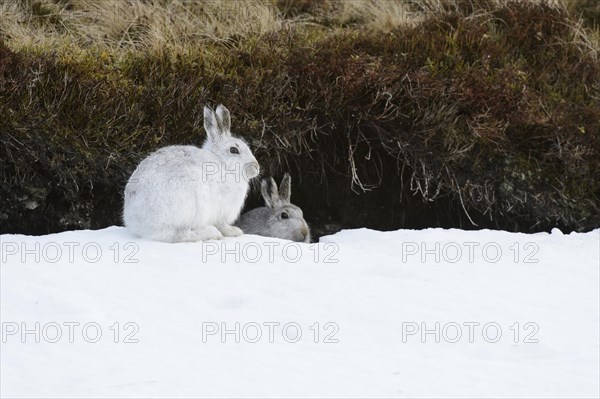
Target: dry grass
(178,24)
(133,24)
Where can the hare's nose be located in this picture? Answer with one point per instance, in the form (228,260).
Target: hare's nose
(304,231)
(252,169)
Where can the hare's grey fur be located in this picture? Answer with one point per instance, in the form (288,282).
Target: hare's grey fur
(279,218)
(186,193)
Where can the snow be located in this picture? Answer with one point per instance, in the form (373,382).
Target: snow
(372,294)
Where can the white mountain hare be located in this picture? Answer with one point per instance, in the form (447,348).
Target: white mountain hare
(279,218)
(185,193)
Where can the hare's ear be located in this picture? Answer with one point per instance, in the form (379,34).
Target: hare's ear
(269,192)
(285,188)
(224,120)
(211,125)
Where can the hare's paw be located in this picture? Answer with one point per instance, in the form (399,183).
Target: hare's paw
(209,233)
(230,231)
(201,233)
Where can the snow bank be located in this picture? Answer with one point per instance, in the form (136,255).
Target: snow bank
(362,313)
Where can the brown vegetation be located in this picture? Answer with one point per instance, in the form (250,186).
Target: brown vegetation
(387,114)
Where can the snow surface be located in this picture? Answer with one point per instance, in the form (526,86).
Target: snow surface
(377,293)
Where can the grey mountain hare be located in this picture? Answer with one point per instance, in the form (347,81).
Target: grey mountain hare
(185,193)
(279,218)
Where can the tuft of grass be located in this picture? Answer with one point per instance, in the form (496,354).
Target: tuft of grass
(387,114)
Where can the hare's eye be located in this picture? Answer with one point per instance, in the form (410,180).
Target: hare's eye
(284,215)
(234,150)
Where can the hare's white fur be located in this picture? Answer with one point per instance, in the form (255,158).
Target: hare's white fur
(185,193)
